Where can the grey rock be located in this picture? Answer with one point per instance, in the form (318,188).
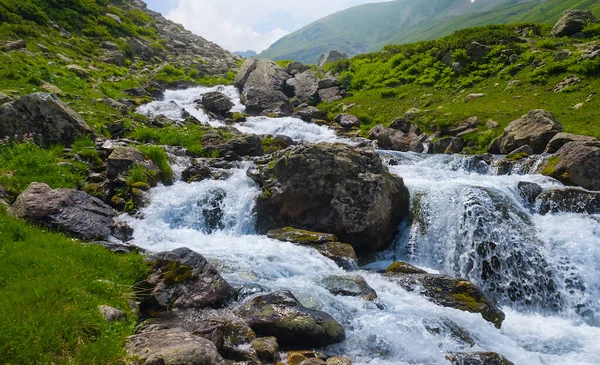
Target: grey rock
(14,46)
(112,314)
(4,98)
(116,58)
(122,158)
(332,188)
(353,286)
(477,358)
(263,89)
(245,70)
(393,139)
(329,82)
(478,51)
(562,138)
(566,82)
(576,163)
(217,102)
(535,129)
(330,94)
(331,56)
(173,347)
(295,68)
(44,115)
(570,200)
(305,86)
(529,191)
(183,278)
(521,152)
(347,121)
(448,145)
(572,22)
(308,113)
(279,314)
(70,211)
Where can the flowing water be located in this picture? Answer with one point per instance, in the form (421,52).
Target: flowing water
(543,269)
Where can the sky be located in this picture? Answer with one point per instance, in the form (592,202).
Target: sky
(241,25)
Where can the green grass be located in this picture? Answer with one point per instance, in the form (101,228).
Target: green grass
(24,163)
(189,137)
(159,157)
(386,84)
(50,288)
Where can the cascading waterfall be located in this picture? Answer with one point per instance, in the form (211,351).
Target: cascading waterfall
(466,221)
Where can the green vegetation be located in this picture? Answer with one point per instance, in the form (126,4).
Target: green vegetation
(50,290)
(384,85)
(159,157)
(22,163)
(189,137)
(370,27)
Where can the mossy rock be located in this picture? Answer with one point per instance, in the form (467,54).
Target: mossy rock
(300,236)
(404,268)
(483,358)
(450,292)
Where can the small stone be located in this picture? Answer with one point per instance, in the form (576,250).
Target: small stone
(474,96)
(339,360)
(112,314)
(266,348)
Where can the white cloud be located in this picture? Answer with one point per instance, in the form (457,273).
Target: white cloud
(240,25)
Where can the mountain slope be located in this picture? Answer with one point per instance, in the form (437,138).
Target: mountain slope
(370,27)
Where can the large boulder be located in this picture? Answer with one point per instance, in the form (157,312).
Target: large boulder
(279,314)
(172,347)
(571,22)
(217,102)
(306,87)
(44,115)
(562,139)
(576,163)
(70,211)
(534,129)
(397,140)
(263,89)
(449,292)
(331,56)
(572,200)
(185,279)
(239,144)
(244,72)
(332,188)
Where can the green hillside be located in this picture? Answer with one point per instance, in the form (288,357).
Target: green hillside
(368,28)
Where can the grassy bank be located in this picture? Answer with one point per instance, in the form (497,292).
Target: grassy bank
(50,290)
(386,84)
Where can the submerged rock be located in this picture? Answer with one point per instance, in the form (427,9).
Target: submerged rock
(477,358)
(529,191)
(333,188)
(450,292)
(173,347)
(352,286)
(534,129)
(185,279)
(70,211)
(45,116)
(280,315)
(571,200)
(326,244)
